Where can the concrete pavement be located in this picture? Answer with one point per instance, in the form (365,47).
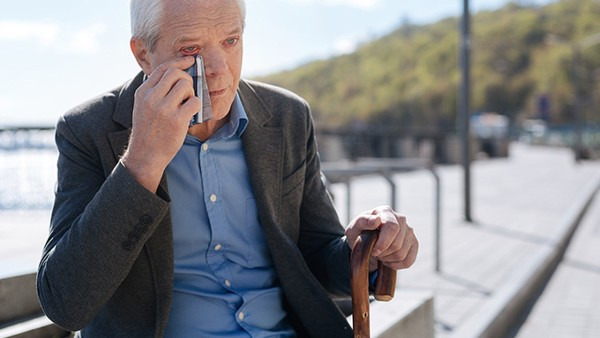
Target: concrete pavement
(523,207)
(570,304)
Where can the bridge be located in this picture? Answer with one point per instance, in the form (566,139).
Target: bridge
(30,137)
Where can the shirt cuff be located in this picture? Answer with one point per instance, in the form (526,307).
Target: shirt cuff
(372,278)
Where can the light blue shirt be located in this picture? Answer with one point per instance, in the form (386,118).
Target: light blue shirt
(225,284)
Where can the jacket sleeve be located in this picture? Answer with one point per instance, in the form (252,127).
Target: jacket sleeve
(98,227)
(321,238)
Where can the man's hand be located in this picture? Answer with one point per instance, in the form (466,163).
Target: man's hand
(397,245)
(164,105)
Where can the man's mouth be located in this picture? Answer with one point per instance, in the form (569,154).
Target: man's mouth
(216,93)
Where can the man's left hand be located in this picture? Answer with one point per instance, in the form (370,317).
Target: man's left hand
(397,245)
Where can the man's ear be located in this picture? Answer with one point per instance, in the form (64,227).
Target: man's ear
(140,52)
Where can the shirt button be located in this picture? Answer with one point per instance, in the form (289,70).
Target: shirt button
(213,198)
(227,283)
(205,146)
(218,247)
(241,316)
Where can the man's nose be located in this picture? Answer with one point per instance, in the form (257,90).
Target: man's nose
(215,62)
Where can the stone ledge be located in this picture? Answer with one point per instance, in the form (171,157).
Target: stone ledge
(34,328)
(511,303)
(18,298)
(409,314)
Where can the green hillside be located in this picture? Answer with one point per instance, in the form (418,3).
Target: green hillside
(410,77)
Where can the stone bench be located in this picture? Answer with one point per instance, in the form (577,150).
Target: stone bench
(20,313)
(408,314)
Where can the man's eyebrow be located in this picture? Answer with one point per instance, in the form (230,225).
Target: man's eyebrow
(188,38)
(183,39)
(236,30)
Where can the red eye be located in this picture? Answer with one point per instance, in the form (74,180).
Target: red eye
(189,50)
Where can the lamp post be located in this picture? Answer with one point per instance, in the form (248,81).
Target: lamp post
(464,107)
(577,49)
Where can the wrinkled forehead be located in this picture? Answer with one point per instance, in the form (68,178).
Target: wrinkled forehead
(201,12)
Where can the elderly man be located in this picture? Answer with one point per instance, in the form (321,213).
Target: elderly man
(221,229)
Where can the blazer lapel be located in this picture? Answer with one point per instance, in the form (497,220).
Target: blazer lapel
(263,148)
(123,116)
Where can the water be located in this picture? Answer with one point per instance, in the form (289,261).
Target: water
(27,180)
(27,170)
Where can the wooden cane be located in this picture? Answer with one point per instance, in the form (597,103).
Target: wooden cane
(385,283)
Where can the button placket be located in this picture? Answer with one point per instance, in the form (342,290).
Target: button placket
(210,184)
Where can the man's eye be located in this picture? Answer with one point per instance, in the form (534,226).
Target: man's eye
(190,50)
(231,41)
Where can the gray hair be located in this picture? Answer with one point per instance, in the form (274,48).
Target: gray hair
(145,20)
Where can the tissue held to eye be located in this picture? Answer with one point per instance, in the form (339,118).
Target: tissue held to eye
(201,90)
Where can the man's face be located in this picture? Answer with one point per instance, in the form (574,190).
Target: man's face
(213,29)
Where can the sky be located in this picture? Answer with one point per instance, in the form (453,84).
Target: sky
(57,54)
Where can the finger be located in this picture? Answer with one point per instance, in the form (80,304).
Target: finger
(169,108)
(171,79)
(407,262)
(404,238)
(373,264)
(390,233)
(365,221)
(399,249)
(157,74)
(181,91)
(190,107)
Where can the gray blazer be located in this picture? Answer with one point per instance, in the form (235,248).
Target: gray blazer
(107,267)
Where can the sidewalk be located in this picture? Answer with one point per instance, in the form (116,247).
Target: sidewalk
(570,304)
(519,208)
(22,237)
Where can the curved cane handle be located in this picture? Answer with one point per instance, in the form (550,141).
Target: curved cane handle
(385,284)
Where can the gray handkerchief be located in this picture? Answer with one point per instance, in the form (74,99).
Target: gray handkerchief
(201,90)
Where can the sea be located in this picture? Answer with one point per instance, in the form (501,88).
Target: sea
(27,169)
(27,180)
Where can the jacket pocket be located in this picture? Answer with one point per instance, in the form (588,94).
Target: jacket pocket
(293,180)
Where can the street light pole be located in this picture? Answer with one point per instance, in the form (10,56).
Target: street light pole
(464,107)
(577,49)
(579,121)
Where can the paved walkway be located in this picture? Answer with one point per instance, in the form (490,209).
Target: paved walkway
(519,206)
(570,304)
(22,237)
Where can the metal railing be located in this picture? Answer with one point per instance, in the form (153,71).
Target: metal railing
(343,172)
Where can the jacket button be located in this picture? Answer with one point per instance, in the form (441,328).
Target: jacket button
(139,229)
(146,219)
(133,237)
(127,245)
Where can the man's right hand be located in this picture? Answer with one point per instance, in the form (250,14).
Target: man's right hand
(163,107)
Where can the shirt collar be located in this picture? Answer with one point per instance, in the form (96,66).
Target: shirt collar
(238,119)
